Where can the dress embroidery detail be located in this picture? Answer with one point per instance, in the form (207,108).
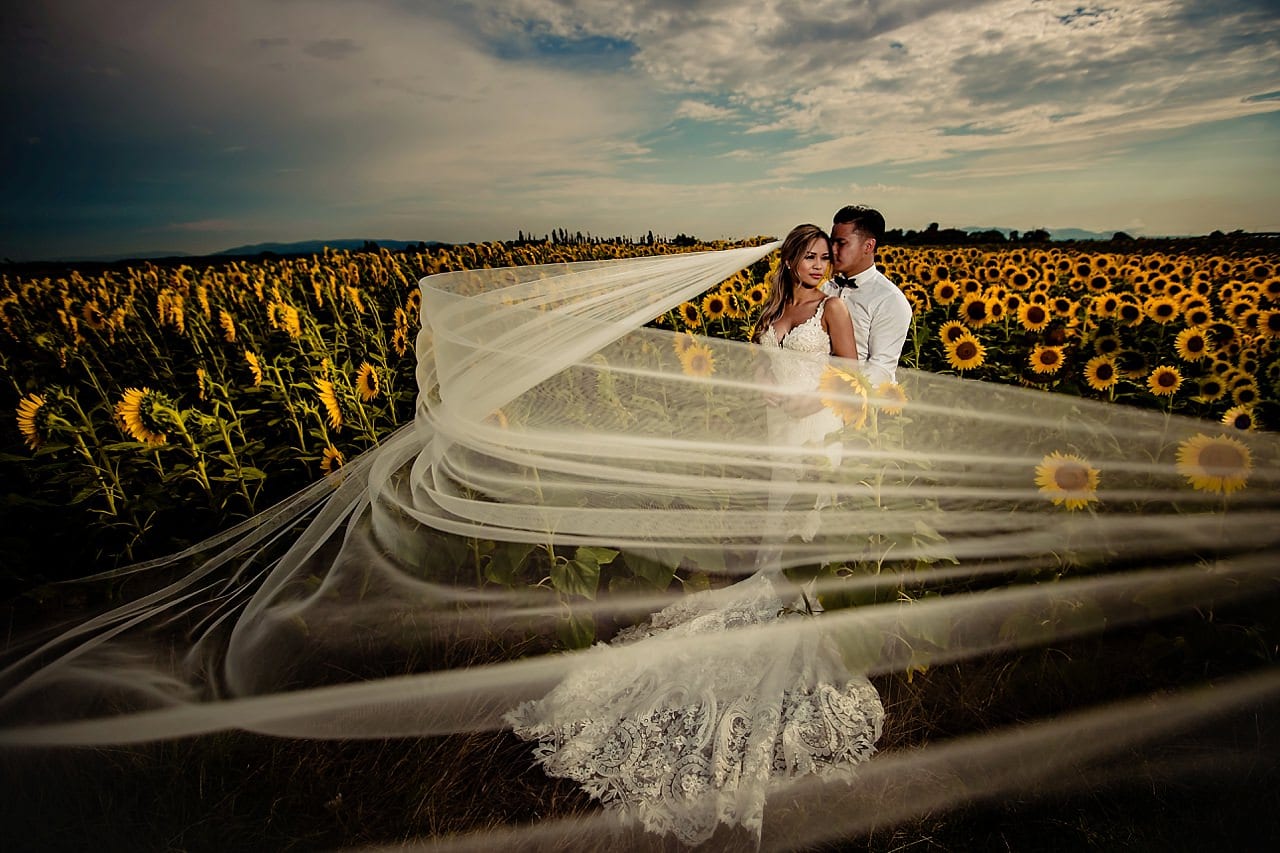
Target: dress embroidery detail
(688,738)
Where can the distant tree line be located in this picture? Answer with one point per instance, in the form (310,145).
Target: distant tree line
(562,237)
(933,236)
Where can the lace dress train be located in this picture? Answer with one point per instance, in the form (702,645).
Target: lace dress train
(695,726)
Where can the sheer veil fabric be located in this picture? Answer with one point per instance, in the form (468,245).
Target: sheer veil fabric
(388,600)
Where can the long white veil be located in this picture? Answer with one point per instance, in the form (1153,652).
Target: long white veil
(570,470)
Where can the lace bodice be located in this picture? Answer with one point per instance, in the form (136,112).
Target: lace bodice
(801,354)
(808,336)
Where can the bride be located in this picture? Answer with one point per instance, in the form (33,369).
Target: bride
(686,719)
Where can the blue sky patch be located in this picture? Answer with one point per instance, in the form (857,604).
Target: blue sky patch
(588,52)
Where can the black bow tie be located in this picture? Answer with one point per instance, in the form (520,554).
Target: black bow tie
(843,281)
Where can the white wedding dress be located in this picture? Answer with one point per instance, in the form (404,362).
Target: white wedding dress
(688,720)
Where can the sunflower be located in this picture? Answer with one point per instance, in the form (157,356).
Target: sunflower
(400,340)
(1222,367)
(1240,417)
(891,398)
(697,360)
(1133,364)
(228,325)
(995,303)
(1251,321)
(136,411)
(1068,480)
(1222,335)
(290,321)
(1211,388)
(1018,279)
(1100,372)
(1164,381)
(757,295)
(681,342)
(945,292)
(975,311)
(1269,323)
(1105,305)
(714,306)
(329,398)
(367,383)
(1192,345)
(1033,316)
(1063,306)
(845,394)
(691,314)
(1239,307)
(331,460)
(952,331)
(31,415)
(353,296)
(736,304)
(1098,283)
(1046,359)
(1197,315)
(1246,393)
(918,298)
(255,366)
(1130,313)
(1106,344)
(92,315)
(1219,464)
(966,353)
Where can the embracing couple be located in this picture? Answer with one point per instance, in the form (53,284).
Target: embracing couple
(869,319)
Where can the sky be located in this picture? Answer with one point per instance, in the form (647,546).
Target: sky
(198,125)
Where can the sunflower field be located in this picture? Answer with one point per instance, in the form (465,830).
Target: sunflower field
(153,405)
(1197,334)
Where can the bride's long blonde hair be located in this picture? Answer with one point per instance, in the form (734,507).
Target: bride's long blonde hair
(782,279)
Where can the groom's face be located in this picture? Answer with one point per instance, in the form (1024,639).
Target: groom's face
(851,250)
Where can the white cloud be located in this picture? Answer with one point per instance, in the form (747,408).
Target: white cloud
(701,111)
(880,81)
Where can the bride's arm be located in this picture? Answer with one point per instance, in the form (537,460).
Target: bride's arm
(839,328)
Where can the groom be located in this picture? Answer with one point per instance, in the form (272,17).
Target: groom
(881,314)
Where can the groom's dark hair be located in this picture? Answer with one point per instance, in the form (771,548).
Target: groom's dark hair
(868,220)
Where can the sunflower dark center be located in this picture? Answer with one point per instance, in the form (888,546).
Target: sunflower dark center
(1166,379)
(1071,478)
(966,350)
(1221,460)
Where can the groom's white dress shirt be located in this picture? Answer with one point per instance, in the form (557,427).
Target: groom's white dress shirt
(881,316)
